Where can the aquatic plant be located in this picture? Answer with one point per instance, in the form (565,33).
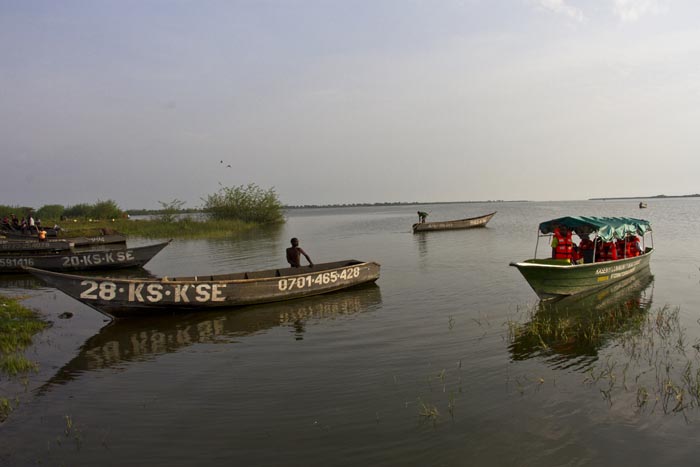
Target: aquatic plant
(248,203)
(17,327)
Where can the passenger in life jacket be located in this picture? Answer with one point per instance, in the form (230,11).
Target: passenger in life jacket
(608,252)
(576,257)
(586,248)
(633,248)
(42,235)
(621,247)
(562,245)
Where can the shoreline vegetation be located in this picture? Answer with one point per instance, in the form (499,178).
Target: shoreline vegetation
(230,211)
(18,326)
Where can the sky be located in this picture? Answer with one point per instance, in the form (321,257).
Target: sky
(353,101)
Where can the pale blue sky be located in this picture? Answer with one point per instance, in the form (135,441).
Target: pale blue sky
(348,101)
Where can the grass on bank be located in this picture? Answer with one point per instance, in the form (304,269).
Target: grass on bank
(185,228)
(18,325)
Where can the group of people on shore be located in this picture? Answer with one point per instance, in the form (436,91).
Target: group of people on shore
(25,225)
(589,251)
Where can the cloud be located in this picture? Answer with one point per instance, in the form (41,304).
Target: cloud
(633,10)
(562,8)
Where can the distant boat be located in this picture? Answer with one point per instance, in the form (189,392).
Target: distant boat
(117,297)
(557,278)
(469,223)
(642,205)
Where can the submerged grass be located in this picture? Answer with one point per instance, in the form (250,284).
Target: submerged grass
(641,358)
(17,327)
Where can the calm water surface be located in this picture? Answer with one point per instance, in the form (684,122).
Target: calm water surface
(439,364)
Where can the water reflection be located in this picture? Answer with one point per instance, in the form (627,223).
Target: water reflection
(568,333)
(145,338)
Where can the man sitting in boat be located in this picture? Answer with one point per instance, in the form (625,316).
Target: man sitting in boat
(294,254)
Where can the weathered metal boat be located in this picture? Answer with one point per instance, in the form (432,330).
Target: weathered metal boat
(557,278)
(34,245)
(117,297)
(80,260)
(458,224)
(78,241)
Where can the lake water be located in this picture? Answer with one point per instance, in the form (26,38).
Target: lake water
(449,360)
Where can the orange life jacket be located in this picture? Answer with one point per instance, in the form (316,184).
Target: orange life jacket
(608,252)
(633,246)
(564,245)
(622,249)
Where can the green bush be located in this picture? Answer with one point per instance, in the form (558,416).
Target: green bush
(106,210)
(50,211)
(19,211)
(248,203)
(81,210)
(170,210)
(100,210)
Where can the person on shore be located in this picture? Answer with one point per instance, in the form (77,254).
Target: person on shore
(421,216)
(294,253)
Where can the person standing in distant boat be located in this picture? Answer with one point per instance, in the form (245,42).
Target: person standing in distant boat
(294,253)
(421,216)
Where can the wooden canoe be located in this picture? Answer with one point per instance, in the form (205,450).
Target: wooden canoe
(95,240)
(117,297)
(80,260)
(34,245)
(469,223)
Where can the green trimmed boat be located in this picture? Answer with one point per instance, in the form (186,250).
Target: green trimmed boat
(558,278)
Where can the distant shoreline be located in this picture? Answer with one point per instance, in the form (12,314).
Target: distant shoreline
(416,203)
(646,197)
(397,203)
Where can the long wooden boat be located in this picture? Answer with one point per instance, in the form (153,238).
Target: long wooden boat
(469,223)
(80,260)
(78,241)
(558,278)
(118,297)
(34,245)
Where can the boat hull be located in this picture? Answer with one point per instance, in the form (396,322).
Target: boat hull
(73,260)
(554,279)
(96,240)
(118,297)
(459,224)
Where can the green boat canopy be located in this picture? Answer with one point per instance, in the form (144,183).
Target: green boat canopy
(607,228)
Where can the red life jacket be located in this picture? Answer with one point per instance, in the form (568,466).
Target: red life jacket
(586,244)
(633,246)
(564,245)
(621,249)
(608,252)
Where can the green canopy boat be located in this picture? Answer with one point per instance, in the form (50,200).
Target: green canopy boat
(556,278)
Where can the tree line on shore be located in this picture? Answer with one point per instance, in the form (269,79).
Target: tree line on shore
(247,203)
